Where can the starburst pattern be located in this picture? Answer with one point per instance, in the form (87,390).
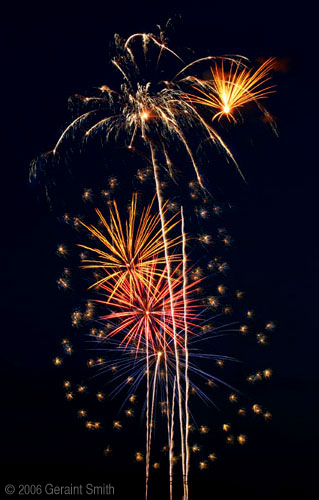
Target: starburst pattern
(144,308)
(129,253)
(229,90)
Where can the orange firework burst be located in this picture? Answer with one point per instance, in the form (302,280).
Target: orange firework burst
(130,252)
(229,90)
(142,309)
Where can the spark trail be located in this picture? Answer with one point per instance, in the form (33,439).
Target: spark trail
(178,380)
(186,467)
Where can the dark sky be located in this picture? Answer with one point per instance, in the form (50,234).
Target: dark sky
(52,52)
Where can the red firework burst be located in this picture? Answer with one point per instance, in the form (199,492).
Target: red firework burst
(145,309)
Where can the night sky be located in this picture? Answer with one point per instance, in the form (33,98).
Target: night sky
(50,53)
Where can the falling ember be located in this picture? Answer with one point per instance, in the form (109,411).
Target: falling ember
(257,409)
(210,383)
(270,326)
(203,429)
(213,302)
(107,451)
(117,425)
(230,440)
(267,372)
(63,283)
(68,349)
(203,465)
(87,195)
(139,457)
(233,398)
(227,310)
(261,338)
(62,251)
(174,460)
(100,396)
(267,415)
(241,439)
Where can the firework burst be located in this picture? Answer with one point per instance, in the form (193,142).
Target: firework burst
(129,253)
(144,307)
(229,90)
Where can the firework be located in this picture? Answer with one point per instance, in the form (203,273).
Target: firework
(145,285)
(144,324)
(145,306)
(228,91)
(151,114)
(129,252)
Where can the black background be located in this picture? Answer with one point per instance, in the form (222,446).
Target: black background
(51,52)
